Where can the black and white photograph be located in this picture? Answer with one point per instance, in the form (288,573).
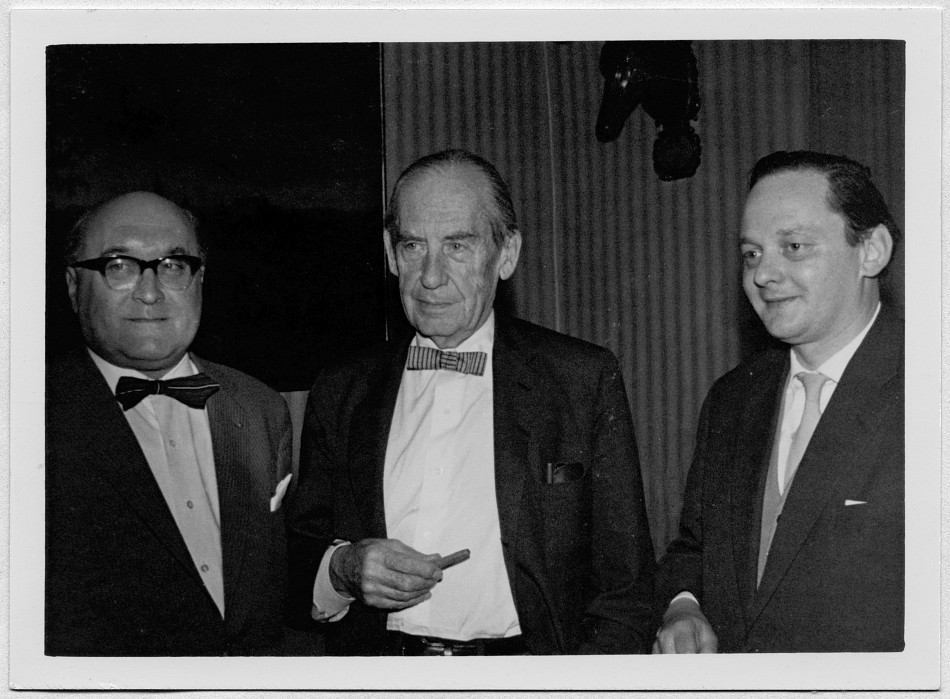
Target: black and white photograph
(601,337)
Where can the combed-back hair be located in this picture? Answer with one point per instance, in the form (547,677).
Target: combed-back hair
(851,191)
(502,220)
(76,236)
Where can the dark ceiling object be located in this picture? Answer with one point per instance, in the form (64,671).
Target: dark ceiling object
(662,76)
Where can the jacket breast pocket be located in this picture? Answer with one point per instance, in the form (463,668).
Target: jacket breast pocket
(560,473)
(565,492)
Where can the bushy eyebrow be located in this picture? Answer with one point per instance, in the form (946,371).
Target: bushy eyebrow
(402,237)
(452,237)
(461,235)
(123,250)
(784,233)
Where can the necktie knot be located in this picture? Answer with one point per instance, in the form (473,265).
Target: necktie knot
(812,381)
(193,391)
(432,358)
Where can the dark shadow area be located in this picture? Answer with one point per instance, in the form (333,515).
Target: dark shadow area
(276,148)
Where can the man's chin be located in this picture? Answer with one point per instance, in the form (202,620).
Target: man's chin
(152,361)
(783,330)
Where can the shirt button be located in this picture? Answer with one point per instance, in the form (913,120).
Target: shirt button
(191,505)
(172,442)
(204,567)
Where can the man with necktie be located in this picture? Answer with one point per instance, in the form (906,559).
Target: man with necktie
(792,530)
(164,472)
(478,433)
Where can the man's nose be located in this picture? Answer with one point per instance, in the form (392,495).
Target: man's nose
(147,289)
(433,270)
(769,270)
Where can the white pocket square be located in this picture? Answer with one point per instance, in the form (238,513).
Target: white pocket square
(279,493)
(849,503)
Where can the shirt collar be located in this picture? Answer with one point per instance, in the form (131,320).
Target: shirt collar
(482,340)
(835,365)
(112,373)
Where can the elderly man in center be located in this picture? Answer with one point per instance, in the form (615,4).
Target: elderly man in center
(479,434)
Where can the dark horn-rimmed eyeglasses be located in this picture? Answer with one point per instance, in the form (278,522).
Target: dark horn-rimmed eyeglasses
(122,272)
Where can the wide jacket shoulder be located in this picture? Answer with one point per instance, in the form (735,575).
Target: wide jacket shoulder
(238,385)
(546,348)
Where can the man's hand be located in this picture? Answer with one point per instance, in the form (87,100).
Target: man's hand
(685,630)
(384,573)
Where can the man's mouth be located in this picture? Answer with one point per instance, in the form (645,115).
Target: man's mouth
(773,300)
(434,303)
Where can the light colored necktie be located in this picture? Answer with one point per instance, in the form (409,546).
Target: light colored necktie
(810,416)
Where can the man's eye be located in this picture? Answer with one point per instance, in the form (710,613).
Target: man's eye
(120,265)
(174,266)
(411,248)
(796,248)
(750,256)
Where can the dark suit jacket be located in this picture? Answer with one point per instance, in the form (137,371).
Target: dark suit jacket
(578,554)
(834,580)
(119,577)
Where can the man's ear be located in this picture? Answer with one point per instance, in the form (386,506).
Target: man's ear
(71,284)
(510,250)
(390,252)
(877,248)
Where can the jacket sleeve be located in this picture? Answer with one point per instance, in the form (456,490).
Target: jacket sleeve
(310,508)
(681,568)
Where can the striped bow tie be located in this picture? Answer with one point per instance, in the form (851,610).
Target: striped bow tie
(432,358)
(193,391)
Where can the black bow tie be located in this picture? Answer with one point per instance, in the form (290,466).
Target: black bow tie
(432,358)
(193,391)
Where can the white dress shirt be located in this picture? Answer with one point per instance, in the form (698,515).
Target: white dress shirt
(176,441)
(439,492)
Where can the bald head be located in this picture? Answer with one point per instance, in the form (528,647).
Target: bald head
(135,208)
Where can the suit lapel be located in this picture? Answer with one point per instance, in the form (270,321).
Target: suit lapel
(372,420)
(514,420)
(237,498)
(753,449)
(835,459)
(113,450)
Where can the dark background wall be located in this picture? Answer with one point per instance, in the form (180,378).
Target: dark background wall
(611,254)
(275,147)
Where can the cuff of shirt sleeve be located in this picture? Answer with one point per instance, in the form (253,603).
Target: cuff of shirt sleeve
(685,594)
(328,604)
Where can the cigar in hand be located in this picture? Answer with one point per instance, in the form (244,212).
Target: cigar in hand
(454,559)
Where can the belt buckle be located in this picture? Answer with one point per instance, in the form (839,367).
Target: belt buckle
(431,647)
(448,647)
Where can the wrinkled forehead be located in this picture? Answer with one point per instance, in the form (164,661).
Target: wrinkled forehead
(445,196)
(141,228)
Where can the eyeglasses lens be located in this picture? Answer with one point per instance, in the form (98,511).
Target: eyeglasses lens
(123,273)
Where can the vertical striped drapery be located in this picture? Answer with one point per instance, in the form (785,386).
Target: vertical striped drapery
(613,255)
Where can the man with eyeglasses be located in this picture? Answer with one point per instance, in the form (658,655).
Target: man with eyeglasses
(165,472)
